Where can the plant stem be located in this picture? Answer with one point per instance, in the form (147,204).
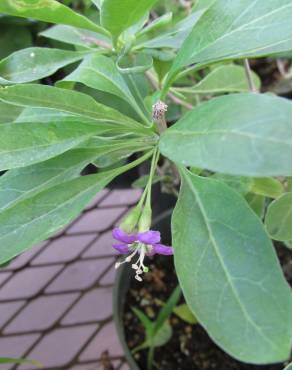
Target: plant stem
(250,81)
(154,162)
(171,96)
(150,358)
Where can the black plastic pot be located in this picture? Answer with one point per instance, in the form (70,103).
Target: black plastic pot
(122,285)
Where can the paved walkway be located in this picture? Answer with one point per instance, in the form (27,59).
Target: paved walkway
(56,299)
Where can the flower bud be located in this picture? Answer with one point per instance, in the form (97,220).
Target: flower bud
(131,220)
(145,219)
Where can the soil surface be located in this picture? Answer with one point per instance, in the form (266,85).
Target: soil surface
(190,348)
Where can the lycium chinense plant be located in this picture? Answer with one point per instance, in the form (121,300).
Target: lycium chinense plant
(229,148)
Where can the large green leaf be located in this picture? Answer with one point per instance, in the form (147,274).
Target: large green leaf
(279,218)
(100,72)
(68,101)
(8,113)
(226,78)
(40,216)
(229,272)
(32,64)
(25,143)
(51,11)
(20,183)
(236,29)
(36,218)
(242,134)
(116,16)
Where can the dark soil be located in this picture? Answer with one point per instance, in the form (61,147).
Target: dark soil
(190,348)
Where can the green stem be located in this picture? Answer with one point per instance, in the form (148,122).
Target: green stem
(150,358)
(135,163)
(154,162)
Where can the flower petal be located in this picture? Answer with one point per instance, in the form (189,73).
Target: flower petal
(121,248)
(163,249)
(123,237)
(149,237)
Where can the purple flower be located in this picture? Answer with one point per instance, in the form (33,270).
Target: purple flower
(144,244)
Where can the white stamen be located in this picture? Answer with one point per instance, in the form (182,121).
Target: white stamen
(127,260)
(139,266)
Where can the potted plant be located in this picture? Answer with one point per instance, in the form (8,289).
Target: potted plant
(174,89)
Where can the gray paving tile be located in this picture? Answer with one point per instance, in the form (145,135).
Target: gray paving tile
(109,277)
(95,305)
(105,340)
(7,310)
(121,197)
(4,276)
(64,249)
(15,347)
(26,257)
(97,198)
(59,347)
(41,313)
(97,220)
(28,282)
(79,275)
(96,365)
(101,247)
(125,367)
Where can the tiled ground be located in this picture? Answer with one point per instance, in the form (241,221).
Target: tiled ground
(56,299)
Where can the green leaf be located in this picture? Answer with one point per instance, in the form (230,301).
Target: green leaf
(267,186)
(32,64)
(97,3)
(22,144)
(167,308)
(156,25)
(279,218)
(116,16)
(131,64)
(256,203)
(237,29)
(183,312)
(21,183)
(229,272)
(143,180)
(235,134)
(203,4)
(36,218)
(76,36)
(8,360)
(240,184)
(173,38)
(228,78)
(100,72)
(68,101)
(289,367)
(48,11)
(9,113)
(161,336)
(288,244)
(145,321)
